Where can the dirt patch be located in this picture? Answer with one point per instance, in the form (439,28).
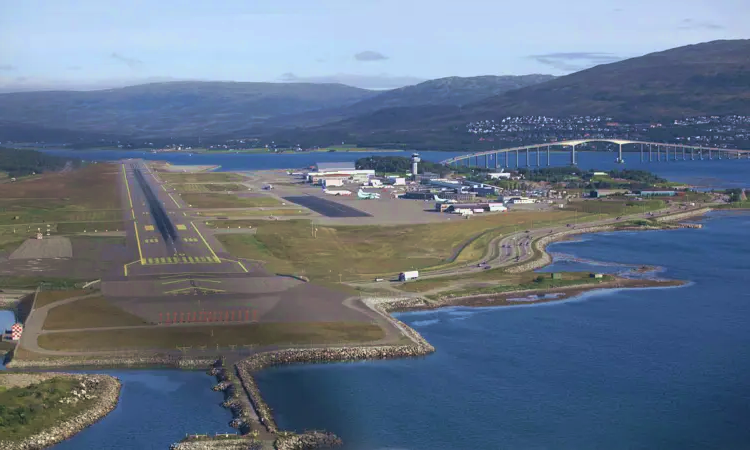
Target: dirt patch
(49,247)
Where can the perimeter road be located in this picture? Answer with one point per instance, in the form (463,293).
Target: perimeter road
(216,258)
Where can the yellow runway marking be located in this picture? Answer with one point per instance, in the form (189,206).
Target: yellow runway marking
(138,241)
(125,267)
(175,201)
(216,258)
(165,189)
(181,227)
(237,262)
(127,186)
(148,227)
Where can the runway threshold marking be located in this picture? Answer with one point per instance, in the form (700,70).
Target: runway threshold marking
(216,258)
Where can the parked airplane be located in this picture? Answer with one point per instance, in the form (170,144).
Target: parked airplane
(367,195)
(337,192)
(444,200)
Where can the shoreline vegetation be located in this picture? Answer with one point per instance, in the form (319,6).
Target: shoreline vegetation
(255,417)
(77,401)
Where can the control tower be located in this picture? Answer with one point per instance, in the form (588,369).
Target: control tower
(415,159)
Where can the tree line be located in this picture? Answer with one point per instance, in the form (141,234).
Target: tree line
(17,163)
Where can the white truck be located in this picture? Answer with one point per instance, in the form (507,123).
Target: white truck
(406,276)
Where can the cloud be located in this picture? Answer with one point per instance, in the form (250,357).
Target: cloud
(690,24)
(133,63)
(574,61)
(382,81)
(369,55)
(7,67)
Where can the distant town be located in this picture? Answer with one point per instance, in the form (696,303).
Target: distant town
(730,132)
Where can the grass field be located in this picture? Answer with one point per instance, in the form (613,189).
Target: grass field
(530,282)
(498,276)
(25,411)
(22,282)
(254,213)
(80,227)
(208,187)
(228,201)
(360,252)
(44,298)
(165,337)
(94,187)
(94,312)
(79,197)
(202,177)
(617,207)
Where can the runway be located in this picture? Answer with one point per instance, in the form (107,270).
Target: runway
(165,238)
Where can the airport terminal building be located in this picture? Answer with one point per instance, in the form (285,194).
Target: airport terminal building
(345,171)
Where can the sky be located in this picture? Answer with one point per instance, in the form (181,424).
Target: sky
(374,44)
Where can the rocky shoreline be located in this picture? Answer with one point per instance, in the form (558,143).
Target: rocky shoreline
(167,361)
(105,391)
(540,245)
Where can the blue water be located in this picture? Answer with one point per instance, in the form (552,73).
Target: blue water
(708,173)
(629,369)
(156,409)
(617,370)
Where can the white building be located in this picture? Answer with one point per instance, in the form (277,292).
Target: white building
(342,170)
(499,175)
(497,207)
(331,182)
(520,201)
(397,181)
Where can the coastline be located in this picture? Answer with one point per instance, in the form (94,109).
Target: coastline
(107,391)
(256,410)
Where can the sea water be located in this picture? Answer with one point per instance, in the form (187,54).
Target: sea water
(617,369)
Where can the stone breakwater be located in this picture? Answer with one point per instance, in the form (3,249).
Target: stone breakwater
(104,390)
(312,439)
(178,362)
(260,361)
(239,443)
(683,215)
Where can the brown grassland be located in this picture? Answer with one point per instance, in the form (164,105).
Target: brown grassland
(361,252)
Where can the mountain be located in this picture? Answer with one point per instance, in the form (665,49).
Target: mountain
(703,79)
(455,91)
(710,78)
(172,109)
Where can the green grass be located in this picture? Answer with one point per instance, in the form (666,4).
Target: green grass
(228,201)
(362,252)
(94,312)
(546,282)
(223,335)
(44,298)
(614,206)
(234,223)
(201,177)
(26,411)
(735,205)
(89,227)
(196,187)
(24,282)
(38,216)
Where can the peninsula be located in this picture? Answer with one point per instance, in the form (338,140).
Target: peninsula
(128,261)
